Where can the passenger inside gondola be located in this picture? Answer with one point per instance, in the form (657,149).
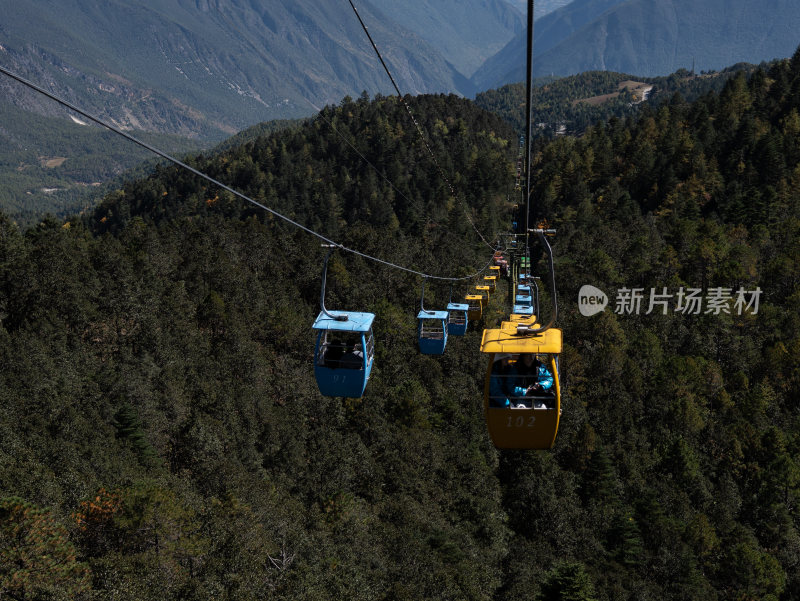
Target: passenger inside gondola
(331,352)
(345,353)
(353,358)
(520,382)
(534,382)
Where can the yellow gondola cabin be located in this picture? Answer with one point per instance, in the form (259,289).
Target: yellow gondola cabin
(474,306)
(527,420)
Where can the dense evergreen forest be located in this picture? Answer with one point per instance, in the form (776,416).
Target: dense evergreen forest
(562,102)
(161,435)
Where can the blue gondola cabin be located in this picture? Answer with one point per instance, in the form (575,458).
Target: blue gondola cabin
(457,318)
(432,332)
(344,353)
(523,310)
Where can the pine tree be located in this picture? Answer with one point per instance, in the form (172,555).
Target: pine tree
(129,428)
(568,581)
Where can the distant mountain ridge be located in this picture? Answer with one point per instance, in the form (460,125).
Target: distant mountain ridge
(506,66)
(649,38)
(210,68)
(452,28)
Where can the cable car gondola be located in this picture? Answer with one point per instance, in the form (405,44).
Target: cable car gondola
(529,421)
(474,306)
(526,310)
(431,328)
(524,300)
(432,332)
(345,348)
(457,318)
(500,266)
(344,352)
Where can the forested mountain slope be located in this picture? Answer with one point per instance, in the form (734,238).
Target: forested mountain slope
(571,104)
(167,367)
(161,435)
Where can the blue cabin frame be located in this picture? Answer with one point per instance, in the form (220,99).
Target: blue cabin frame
(524,300)
(523,310)
(432,332)
(457,319)
(344,353)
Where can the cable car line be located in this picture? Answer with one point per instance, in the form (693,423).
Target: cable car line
(344,351)
(522,395)
(236,193)
(416,124)
(522,392)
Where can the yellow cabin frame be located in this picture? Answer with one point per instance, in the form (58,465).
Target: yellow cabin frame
(475,303)
(485,291)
